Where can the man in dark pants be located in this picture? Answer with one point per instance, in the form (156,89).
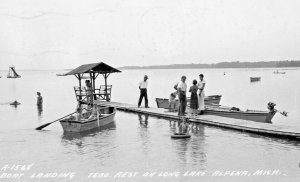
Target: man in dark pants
(181,88)
(143,92)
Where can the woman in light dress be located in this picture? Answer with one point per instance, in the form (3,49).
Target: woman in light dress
(201,85)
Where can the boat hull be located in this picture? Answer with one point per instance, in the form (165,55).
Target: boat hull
(209,100)
(257,116)
(107,117)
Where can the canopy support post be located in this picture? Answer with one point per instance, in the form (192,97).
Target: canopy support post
(105,79)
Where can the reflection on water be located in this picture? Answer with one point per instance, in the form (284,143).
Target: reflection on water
(144,133)
(143,122)
(94,144)
(198,147)
(40,111)
(181,147)
(193,148)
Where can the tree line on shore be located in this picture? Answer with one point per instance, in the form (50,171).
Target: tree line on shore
(236,64)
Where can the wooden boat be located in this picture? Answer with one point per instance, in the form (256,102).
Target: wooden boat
(12,73)
(106,116)
(164,103)
(180,136)
(233,112)
(254,79)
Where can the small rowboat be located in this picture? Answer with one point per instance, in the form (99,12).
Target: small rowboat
(180,136)
(106,116)
(209,100)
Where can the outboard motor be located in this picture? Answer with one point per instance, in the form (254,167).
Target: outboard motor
(272,112)
(271,107)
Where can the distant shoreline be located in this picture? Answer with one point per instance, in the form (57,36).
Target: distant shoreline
(237,64)
(220,65)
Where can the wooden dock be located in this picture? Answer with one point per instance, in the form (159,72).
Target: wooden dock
(236,124)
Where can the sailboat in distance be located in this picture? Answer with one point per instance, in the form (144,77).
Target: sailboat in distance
(12,73)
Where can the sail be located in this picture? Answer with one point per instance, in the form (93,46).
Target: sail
(12,73)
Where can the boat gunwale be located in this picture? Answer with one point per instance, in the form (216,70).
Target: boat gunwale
(93,120)
(237,112)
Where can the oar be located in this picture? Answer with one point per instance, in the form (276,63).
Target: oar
(44,125)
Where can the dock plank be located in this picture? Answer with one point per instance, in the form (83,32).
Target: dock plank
(237,124)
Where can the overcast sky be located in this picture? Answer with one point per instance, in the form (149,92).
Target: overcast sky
(55,34)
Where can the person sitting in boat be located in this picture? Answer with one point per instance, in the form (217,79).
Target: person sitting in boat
(93,113)
(78,115)
(184,127)
(172,101)
(89,92)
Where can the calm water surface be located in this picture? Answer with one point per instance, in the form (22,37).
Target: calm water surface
(139,143)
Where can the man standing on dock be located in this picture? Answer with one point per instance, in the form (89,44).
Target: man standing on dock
(201,86)
(143,92)
(181,88)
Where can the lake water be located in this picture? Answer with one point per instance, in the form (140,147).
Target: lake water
(141,145)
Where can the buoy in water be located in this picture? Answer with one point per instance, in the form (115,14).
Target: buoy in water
(15,103)
(180,135)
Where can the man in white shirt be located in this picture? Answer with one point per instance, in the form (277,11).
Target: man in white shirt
(143,92)
(201,86)
(181,88)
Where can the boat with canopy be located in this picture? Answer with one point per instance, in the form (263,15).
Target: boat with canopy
(89,115)
(95,116)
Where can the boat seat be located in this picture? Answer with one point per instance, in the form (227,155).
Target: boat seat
(103,93)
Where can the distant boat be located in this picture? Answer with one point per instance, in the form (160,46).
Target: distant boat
(279,72)
(12,73)
(61,74)
(254,79)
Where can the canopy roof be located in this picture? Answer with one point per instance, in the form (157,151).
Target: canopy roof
(101,68)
